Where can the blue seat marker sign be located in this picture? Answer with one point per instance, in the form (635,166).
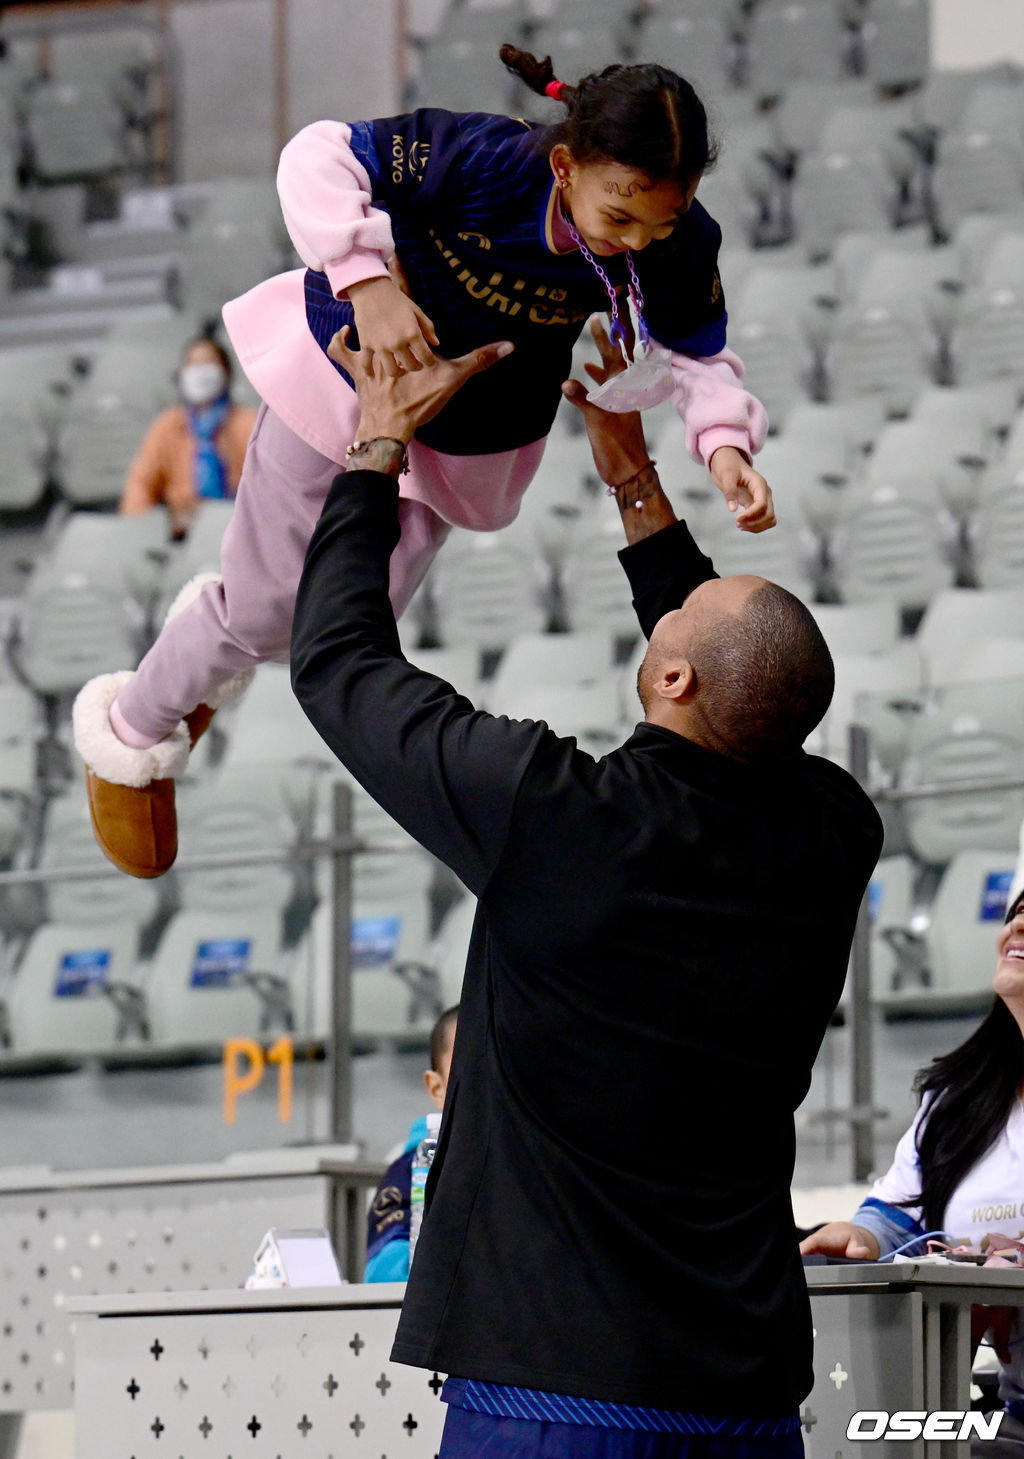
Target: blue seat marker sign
(375,941)
(220,963)
(82,973)
(995,895)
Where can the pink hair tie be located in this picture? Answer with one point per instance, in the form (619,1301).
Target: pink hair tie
(554,89)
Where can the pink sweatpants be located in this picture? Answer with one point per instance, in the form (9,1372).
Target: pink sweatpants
(245,618)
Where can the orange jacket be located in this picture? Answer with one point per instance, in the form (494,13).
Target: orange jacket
(163,469)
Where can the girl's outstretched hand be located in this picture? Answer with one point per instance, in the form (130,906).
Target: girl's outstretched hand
(394,333)
(745,490)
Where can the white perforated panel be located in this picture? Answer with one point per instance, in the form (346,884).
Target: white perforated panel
(132,1238)
(270,1385)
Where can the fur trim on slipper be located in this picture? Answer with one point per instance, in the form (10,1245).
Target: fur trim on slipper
(230,690)
(189,592)
(106,755)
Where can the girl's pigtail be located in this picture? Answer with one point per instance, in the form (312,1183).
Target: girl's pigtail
(539,75)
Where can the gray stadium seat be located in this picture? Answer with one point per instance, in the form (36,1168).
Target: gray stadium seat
(890,546)
(807,477)
(786,555)
(596,590)
(965,918)
(69,631)
(587,712)
(837,191)
(26,455)
(851,424)
(75,986)
(877,350)
(216,972)
(988,343)
(76,131)
(269,728)
(778,359)
(939,462)
(959,618)
(982,412)
(976,172)
(124,555)
(858,628)
(396,991)
(486,591)
(789,42)
(881,691)
(995,106)
(806,105)
(997,536)
(579,46)
(958,745)
(896,41)
(579,660)
(98,441)
(697,46)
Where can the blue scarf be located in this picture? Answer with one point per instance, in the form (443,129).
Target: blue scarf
(205,421)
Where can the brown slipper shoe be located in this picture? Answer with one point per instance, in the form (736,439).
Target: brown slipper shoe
(131,791)
(135,826)
(198,722)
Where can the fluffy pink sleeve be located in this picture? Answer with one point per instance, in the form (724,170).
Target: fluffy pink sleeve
(325,194)
(714,406)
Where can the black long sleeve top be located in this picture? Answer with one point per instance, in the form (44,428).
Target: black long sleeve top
(661,939)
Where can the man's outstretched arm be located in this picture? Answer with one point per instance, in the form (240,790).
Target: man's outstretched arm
(445,771)
(662,561)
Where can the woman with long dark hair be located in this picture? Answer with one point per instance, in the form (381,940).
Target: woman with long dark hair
(959,1169)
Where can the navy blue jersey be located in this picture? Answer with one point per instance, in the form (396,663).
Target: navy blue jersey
(471,200)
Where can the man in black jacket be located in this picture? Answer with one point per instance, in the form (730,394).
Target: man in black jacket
(662,937)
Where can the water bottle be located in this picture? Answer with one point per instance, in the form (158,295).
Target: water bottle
(421,1163)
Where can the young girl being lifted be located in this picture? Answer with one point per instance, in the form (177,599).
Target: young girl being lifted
(498,230)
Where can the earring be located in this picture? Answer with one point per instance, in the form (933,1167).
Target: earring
(563,182)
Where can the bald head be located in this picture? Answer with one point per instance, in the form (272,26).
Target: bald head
(741,667)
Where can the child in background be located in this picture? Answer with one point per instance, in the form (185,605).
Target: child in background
(387,1229)
(504,230)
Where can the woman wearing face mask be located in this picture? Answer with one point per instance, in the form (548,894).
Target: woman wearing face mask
(193,451)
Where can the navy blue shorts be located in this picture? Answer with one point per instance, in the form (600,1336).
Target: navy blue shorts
(469,1435)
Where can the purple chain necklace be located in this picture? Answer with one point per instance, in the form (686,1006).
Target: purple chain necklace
(617,332)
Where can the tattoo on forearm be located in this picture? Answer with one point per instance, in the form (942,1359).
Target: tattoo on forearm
(382,453)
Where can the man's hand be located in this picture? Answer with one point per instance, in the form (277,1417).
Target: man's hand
(619,448)
(397,407)
(745,490)
(617,441)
